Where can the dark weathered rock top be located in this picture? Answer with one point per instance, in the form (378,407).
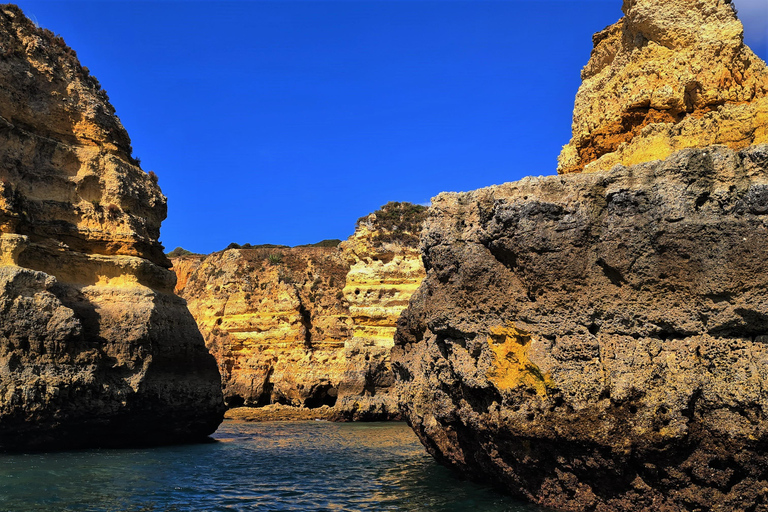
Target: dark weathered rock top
(598,341)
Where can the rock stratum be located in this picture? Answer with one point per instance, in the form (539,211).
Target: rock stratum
(669,75)
(598,341)
(95,349)
(309,326)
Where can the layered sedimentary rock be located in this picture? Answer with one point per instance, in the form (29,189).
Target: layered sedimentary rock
(274,320)
(95,349)
(669,75)
(385,269)
(598,341)
(309,326)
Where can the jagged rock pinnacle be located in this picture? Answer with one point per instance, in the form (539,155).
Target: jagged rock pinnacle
(669,75)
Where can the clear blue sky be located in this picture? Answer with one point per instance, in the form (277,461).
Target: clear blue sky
(284,121)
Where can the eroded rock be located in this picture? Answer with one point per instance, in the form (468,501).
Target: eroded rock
(598,341)
(309,326)
(95,349)
(669,75)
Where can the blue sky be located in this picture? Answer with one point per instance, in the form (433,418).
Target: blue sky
(283,121)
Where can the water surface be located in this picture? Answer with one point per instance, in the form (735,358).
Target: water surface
(273,466)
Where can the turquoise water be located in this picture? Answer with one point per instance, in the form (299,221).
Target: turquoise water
(274,466)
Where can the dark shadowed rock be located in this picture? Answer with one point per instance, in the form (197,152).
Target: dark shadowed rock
(599,341)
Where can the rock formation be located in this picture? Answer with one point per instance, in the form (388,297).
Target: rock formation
(95,349)
(669,75)
(274,320)
(309,326)
(597,342)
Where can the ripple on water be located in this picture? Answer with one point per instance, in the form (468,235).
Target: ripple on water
(274,466)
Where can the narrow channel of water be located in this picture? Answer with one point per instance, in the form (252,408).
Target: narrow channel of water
(274,466)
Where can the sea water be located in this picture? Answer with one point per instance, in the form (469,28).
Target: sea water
(272,466)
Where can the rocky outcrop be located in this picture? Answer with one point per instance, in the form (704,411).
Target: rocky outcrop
(597,342)
(309,326)
(385,269)
(95,349)
(669,75)
(274,320)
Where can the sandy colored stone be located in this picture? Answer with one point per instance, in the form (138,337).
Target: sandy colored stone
(274,320)
(598,341)
(279,412)
(95,349)
(307,326)
(669,75)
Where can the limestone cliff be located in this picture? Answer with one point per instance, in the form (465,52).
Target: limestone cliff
(669,75)
(597,342)
(385,269)
(95,349)
(309,326)
(274,320)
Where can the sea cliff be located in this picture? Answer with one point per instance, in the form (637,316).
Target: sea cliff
(669,75)
(309,326)
(596,341)
(95,349)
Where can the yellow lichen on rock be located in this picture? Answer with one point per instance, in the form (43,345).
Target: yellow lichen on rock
(512,367)
(667,76)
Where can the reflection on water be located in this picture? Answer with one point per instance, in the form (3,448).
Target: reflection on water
(315,466)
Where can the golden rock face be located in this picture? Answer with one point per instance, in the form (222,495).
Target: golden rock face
(667,76)
(307,326)
(273,319)
(91,334)
(380,281)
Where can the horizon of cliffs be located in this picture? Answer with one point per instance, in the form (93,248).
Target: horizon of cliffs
(309,326)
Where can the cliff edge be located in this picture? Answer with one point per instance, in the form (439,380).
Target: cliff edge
(669,75)
(95,349)
(597,342)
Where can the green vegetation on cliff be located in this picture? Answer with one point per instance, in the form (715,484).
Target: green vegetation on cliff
(396,222)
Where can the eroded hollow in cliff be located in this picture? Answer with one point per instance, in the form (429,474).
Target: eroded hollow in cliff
(320,395)
(235,401)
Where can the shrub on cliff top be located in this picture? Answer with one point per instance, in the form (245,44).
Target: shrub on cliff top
(333,242)
(396,222)
(179,251)
(396,216)
(235,245)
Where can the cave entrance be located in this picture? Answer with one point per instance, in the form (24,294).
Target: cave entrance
(320,395)
(234,401)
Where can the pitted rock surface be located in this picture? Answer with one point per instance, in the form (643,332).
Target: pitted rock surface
(597,342)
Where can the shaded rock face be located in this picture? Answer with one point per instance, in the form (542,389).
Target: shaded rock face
(309,326)
(95,349)
(669,75)
(598,341)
